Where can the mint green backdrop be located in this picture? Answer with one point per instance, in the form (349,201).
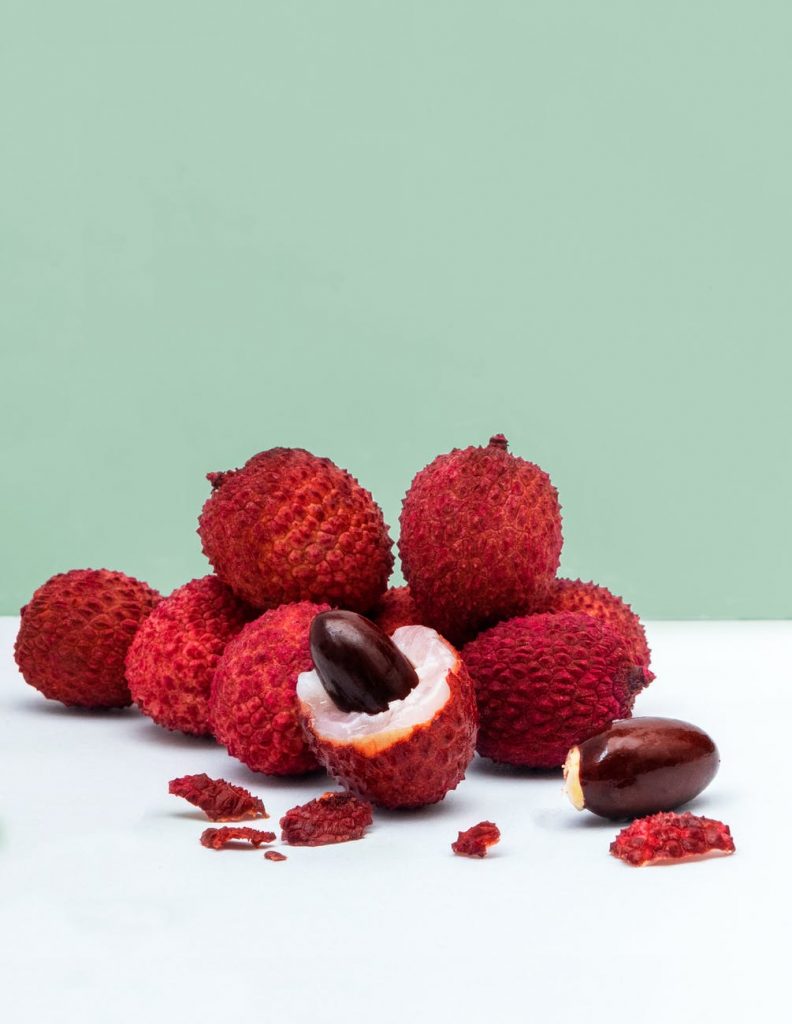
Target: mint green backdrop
(382,230)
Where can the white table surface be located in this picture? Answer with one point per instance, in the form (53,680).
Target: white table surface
(113,912)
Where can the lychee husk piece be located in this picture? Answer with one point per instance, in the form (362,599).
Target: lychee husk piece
(253,705)
(75,633)
(545,683)
(172,660)
(480,536)
(290,526)
(417,750)
(566,595)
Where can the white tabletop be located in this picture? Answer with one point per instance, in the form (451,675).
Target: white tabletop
(113,912)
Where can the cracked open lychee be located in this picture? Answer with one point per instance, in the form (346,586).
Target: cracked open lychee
(253,707)
(290,526)
(546,682)
(75,633)
(394,609)
(393,719)
(480,537)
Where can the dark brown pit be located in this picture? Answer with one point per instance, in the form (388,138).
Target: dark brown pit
(359,666)
(640,766)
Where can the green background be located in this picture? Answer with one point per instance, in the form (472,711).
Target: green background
(382,230)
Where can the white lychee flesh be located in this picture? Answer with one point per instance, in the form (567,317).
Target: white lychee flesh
(431,656)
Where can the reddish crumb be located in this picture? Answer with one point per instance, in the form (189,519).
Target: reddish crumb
(274,855)
(671,837)
(216,838)
(477,840)
(332,818)
(218,799)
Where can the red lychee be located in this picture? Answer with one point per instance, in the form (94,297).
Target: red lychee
(415,750)
(75,633)
(563,595)
(394,609)
(480,534)
(253,706)
(175,652)
(290,526)
(547,682)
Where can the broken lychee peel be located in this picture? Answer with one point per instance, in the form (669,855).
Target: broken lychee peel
(669,838)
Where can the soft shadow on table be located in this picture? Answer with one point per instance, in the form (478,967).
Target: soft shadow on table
(149,732)
(53,709)
(504,772)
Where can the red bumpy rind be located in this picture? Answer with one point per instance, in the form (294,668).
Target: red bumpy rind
(563,595)
(669,837)
(253,705)
(476,841)
(419,768)
(274,855)
(331,818)
(217,838)
(480,535)
(218,799)
(396,608)
(75,633)
(172,660)
(289,526)
(545,683)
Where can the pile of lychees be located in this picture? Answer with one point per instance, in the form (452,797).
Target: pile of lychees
(295,655)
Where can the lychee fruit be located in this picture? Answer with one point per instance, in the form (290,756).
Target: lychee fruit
(563,595)
(391,719)
(394,609)
(545,683)
(75,633)
(175,652)
(253,706)
(289,526)
(480,535)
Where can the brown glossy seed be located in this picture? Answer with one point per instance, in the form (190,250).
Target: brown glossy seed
(640,766)
(359,666)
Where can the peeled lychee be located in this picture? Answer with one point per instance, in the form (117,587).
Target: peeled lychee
(175,652)
(480,536)
(564,595)
(414,750)
(545,683)
(75,633)
(290,526)
(394,609)
(253,707)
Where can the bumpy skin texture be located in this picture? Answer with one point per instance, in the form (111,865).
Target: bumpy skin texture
(395,609)
(563,595)
(174,655)
(75,634)
(253,705)
(290,526)
(480,535)
(217,838)
(418,769)
(547,682)
(331,818)
(476,841)
(218,799)
(671,837)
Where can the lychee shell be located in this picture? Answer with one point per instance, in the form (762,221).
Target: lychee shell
(173,657)
(253,706)
(480,535)
(564,595)
(395,608)
(547,682)
(75,633)
(418,769)
(289,526)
